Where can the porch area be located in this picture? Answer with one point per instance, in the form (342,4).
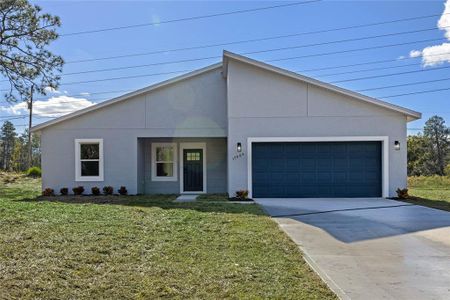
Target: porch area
(182,165)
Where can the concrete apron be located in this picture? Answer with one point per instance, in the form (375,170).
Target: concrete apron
(370,248)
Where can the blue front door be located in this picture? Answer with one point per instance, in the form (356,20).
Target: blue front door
(193,170)
(316,169)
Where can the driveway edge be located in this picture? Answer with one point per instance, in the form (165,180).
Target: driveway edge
(315,267)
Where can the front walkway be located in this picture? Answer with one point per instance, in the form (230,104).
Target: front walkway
(370,248)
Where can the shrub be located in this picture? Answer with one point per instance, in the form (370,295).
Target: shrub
(78,190)
(64,191)
(34,172)
(48,192)
(242,194)
(108,190)
(95,191)
(122,190)
(402,193)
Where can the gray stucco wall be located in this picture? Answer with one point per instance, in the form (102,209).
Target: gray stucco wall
(216,166)
(265,104)
(195,107)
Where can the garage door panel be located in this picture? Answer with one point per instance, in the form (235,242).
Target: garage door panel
(339,177)
(292,164)
(357,163)
(277,179)
(323,164)
(340,164)
(308,178)
(326,177)
(308,164)
(340,150)
(356,177)
(292,179)
(316,169)
(372,177)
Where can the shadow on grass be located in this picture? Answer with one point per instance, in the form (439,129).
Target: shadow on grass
(214,204)
(438,204)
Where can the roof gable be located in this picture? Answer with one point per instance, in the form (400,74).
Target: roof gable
(126,97)
(410,114)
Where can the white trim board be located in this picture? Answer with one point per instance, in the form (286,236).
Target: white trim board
(78,176)
(192,146)
(384,153)
(174,176)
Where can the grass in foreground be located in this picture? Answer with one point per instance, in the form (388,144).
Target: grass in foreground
(144,247)
(431,191)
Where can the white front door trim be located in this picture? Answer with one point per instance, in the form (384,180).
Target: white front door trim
(192,146)
(384,153)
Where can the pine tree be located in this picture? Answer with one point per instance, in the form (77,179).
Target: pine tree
(7,136)
(437,135)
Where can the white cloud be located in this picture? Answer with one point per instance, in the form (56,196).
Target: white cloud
(53,107)
(444,21)
(85,94)
(415,53)
(437,54)
(50,90)
(401,57)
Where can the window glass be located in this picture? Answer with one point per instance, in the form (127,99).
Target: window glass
(90,168)
(164,153)
(192,156)
(89,151)
(89,156)
(164,169)
(164,161)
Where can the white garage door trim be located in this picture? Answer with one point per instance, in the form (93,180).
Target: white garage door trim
(383,139)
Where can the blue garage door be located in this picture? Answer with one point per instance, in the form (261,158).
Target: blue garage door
(323,169)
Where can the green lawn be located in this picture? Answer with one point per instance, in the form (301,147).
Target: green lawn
(432,191)
(144,247)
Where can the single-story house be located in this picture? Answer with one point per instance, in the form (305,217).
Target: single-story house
(237,125)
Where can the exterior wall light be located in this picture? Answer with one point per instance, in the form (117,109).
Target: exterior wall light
(397,145)
(239,147)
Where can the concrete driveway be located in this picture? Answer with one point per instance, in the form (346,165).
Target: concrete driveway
(370,248)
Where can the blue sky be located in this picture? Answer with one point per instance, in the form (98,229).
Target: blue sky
(87,15)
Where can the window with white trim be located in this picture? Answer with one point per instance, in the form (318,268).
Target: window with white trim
(164,161)
(89,159)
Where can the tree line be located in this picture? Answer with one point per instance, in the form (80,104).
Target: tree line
(14,149)
(429,153)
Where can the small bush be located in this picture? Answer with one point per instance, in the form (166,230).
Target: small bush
(122,190)
(34,172)
(108,190)
(64,191)
(402,193)
(48,192)
(242,194)
(95,191)
(79,190)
